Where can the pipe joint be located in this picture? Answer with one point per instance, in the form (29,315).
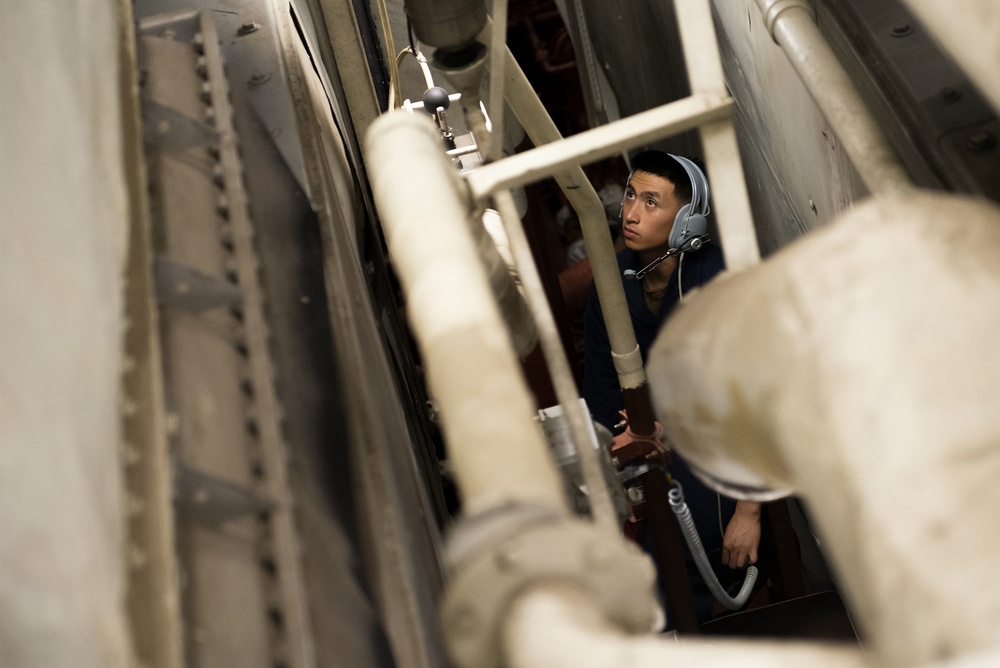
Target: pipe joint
(772,10)
(497,556)
(629,368)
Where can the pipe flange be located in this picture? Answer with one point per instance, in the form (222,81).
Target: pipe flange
(772,9)
(615,572)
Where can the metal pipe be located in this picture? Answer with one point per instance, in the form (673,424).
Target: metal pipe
(585,201)
(793,26)
(446,24)
(498,452)
(722,156)
(603,142)
(515,309)
(558,625)
(562,377)
(498,48)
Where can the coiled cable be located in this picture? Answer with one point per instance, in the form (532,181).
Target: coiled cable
(683,513)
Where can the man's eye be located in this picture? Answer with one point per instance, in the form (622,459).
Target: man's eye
(651,202)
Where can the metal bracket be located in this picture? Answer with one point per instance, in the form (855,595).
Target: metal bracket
(172,130)
(179,285)
(213,501)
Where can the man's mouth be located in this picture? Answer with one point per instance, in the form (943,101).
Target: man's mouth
(629,232)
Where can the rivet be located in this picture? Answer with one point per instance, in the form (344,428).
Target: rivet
(949,94)
(981,141)
(258,78)
(198,43)
(218,178)
(902,30)
(248,27)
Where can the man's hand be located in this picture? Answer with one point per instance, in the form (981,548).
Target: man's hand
(739,546)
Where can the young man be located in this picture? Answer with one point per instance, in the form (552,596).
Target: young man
(657,189)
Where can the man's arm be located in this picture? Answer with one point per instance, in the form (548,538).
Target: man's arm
(739,545)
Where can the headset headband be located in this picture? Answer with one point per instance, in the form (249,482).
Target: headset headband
(699,185)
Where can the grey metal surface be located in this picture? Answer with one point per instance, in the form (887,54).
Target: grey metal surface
(243,603)
(933,115)
(178,285)
(638,47)
(359,496)
(249,43)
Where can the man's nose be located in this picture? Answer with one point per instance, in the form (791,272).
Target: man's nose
(629,213)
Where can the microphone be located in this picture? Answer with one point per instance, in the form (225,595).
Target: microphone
(693,243)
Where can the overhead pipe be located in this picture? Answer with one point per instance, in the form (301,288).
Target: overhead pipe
(793,26)
(451,25)
(500,273)
(582,196)
(722,156)
(632,132)
(498,452)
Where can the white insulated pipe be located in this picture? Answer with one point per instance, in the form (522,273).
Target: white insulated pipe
(580,193)
(603,142)
(498,48)
(559,626)
(497,450)
(578,420)
(722,156)
(793,26)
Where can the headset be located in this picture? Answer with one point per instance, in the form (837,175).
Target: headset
(690,228)
(691,220)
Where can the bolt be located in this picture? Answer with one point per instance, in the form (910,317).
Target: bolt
(902,30)
(981,141)
(247,28)
(198,43)
(812,206)
(218,177)
(949,94)
(257,78)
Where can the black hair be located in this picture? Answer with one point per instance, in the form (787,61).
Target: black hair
(659,163)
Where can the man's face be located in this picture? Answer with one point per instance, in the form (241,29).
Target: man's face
(648,212)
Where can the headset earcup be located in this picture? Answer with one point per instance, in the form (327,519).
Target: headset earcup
(697,225)
(677,233)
